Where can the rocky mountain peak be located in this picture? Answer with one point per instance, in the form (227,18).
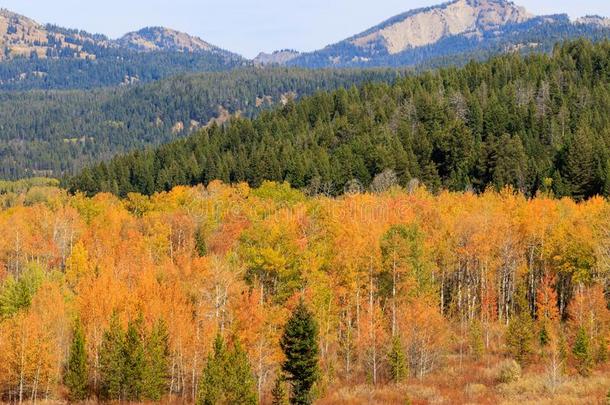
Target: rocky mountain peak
(594,20)
(161,38)
(426,26)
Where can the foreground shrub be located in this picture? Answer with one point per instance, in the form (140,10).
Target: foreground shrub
(509,371)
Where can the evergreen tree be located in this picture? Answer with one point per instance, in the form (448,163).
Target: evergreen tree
(300,346)
(240,385)
(211,384)
(200,245)
(544,337)
(510,166)
(76,377)
(134,362)
(227,377)
(112,361)
(520,335)
(582,352)
(579,166)
(154,381)
(397,361)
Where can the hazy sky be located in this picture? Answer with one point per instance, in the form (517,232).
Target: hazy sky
(251,26)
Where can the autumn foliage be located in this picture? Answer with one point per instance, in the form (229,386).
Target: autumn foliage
(401,284)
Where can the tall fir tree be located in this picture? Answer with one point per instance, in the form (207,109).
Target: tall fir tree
(112,361)
(582,352)
(76,378)
(155,373)
(579,165)
(240,385)
(397,361)
(133,352)
(227,377)
(520,336)
(300,346)
(200,245)
(210,386)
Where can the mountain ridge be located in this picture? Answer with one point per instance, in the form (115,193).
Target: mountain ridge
(21,36)
(454,17)
(457,27)
(34,56)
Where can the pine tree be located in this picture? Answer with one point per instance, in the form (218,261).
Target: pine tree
(300,346)
(154,381)
(112,361)
(211,384)
(397,361)
(76,377)
(579,167)
(520,335)
(240,385)
(544,337)
(133,352)
(227,377)
(582,352)
(278,393)
(200,245)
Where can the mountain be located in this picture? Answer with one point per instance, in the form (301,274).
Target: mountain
(427,26)
(594,20)
(434,36)
(36,56)
(22,37)
(164,39)
(276,58)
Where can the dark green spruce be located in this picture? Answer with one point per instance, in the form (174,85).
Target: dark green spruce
(76,377)
(227,377)
(134,364)
(300,346)
(112,362)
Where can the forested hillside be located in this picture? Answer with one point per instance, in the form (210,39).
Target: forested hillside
(54,133)
(116,67)
(406,296)
(538,123)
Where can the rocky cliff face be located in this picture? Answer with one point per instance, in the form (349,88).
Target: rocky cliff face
(163,39)
(275,58)
(594,20)
(427,26)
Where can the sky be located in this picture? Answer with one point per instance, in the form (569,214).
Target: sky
(251,26)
